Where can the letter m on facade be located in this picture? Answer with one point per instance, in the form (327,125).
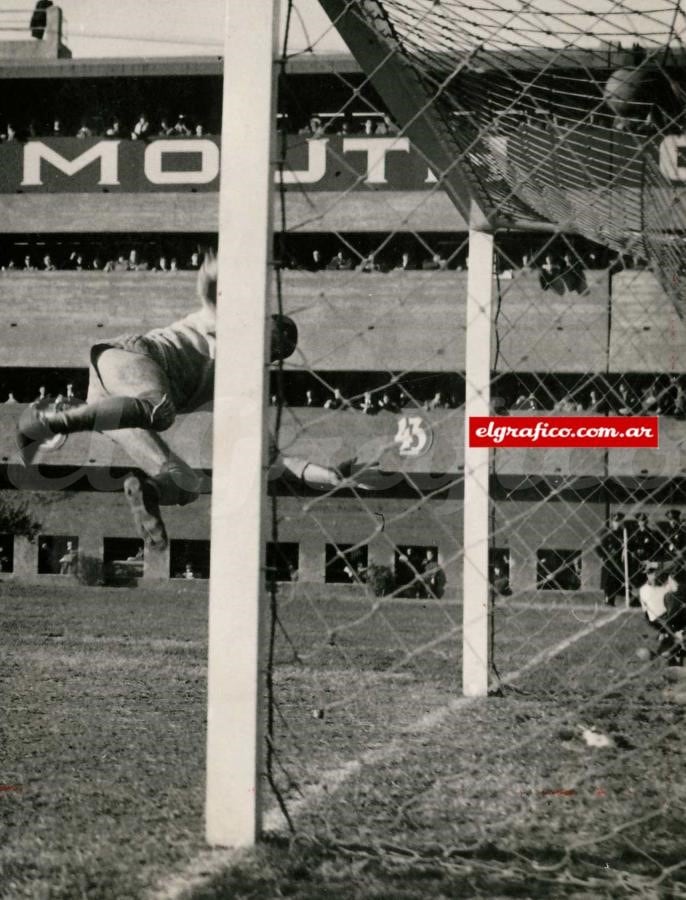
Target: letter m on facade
(36,153)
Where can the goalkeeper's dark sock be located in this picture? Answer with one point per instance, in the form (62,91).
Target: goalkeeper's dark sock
(112,413)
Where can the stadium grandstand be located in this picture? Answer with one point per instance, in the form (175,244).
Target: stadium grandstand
(109,174)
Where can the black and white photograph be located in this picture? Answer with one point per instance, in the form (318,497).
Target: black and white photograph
(343,449)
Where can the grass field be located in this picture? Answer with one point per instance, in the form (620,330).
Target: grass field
(396,786)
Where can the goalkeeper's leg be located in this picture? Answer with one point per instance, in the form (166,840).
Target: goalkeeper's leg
(129,399)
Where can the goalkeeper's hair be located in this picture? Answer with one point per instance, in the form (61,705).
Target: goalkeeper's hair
(284,337)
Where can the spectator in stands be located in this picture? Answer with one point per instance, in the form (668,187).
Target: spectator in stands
(199,131)
(673,548)
(114,129)
(368,127)
(11,399)
(141,130)
(48,264)
(661,598)
(594,402)
(610,549)
(626,403)
(162,264)
(173,265)
(181,128)
(316,263)
(309,398)
(10,134)
(435,263)
(43,399)
(340,262)
(69,561)
(314,128)
(337,401)
(388,404)
(28,265)
(194,261)
(57,130)
(368,264)
(643,547)
(368,406)
(525,402)
(436,402)
(85,131)
(165,128)
(433,576)
(406,263)
(386,126)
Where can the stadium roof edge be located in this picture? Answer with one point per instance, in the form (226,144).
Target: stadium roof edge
(160,66)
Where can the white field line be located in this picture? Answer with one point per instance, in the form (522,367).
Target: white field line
(210,863)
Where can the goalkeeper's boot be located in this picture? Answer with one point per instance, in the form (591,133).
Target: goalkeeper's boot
(144,501)
(34,434)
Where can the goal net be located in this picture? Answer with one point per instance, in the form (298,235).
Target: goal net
(481,212)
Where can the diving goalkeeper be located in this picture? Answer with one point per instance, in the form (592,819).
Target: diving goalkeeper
(138,384)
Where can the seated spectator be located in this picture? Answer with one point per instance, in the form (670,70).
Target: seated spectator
(337,401)
(314,128)
(406,263)
(57,128)
(48,264)
(368,406)
(141,130)
(525,402)
(181,126)
(10,134)
(199,131)
(368,127)
(173,265)
(85,131)
(436,402)
(386,126)
(625,402)
(11,398)
(387,404)
(114,129)
(69,561)
(435,263)
(162,264)
(43,399)
(70,398)
(316,263)
(165,128)
(309,398)
(340,262)
(28,265)
(368,264)
(194,262)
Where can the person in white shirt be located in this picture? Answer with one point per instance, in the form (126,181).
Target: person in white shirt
(660,600)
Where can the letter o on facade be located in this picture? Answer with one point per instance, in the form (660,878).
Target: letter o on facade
(206,151)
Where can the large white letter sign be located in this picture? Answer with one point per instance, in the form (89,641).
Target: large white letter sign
(316,165)
(208,159)
(376,150)
(36,152)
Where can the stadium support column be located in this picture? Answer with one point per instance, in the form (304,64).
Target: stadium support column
(234,739)
(476,590)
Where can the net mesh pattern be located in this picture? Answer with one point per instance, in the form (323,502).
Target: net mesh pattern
(557,111)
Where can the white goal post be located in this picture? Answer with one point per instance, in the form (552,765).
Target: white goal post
(234,711)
